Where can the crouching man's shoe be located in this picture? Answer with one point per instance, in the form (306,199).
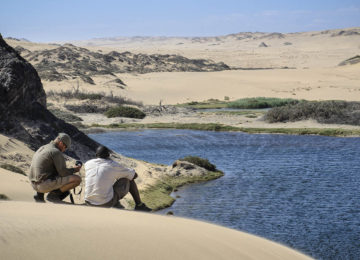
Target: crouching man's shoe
(142,207)
(57,196)
(39,197)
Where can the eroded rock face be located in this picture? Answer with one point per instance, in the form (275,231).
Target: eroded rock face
(20,85)
(23,113)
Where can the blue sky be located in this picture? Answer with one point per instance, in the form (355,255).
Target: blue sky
(55,20)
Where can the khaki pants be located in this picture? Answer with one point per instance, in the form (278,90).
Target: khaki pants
(49,185)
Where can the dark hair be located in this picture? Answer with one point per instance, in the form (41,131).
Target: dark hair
(102,152)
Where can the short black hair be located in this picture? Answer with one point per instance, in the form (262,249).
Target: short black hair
(102,152)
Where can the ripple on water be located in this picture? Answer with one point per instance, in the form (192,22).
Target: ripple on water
(301,191)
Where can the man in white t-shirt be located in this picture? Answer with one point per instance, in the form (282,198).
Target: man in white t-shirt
(106,182)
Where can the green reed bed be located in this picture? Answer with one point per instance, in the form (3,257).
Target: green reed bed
(261,102)
(220,127)
(243,103)
(158,197)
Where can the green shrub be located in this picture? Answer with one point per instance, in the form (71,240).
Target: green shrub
(123,111)
(204,163)
(261,102)
(64,115)
(12,168)
(328,112)
(76,93)
(86,108)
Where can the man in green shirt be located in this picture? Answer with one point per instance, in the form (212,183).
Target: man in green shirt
(48,172)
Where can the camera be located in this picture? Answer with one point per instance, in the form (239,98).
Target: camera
(78,163)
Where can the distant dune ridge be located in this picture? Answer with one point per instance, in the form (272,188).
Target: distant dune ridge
(172,68)
(303,65)
(235,36)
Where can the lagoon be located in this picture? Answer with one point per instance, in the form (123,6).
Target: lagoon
(301,191)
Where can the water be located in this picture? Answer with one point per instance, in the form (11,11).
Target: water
(301,191)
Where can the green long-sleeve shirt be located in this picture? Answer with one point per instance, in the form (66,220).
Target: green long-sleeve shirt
(48,162)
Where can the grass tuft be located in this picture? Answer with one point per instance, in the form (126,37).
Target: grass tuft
(76,93)
(124,111)
(261,102)
(64,115)
(204,163)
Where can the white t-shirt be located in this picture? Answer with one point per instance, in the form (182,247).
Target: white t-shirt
(100,176)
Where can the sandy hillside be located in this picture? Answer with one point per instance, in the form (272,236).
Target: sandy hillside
(312,84)
(90,233)
(298,65)
(337,83)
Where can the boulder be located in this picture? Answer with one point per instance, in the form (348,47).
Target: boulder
(23,112)
(186,169)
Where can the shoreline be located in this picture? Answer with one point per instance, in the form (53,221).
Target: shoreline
(163,188)
(240,120)
(334,132)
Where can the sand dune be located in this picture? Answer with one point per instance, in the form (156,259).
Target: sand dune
(56,231)
(340,83)
(15,186)
(312,56)
(48,231)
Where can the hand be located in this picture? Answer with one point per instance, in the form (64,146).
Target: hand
(77,168)
(78,165)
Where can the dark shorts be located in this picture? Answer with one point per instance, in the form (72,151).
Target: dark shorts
(49,185)
(121,188)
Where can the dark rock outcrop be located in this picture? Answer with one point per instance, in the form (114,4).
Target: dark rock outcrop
(23,112)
